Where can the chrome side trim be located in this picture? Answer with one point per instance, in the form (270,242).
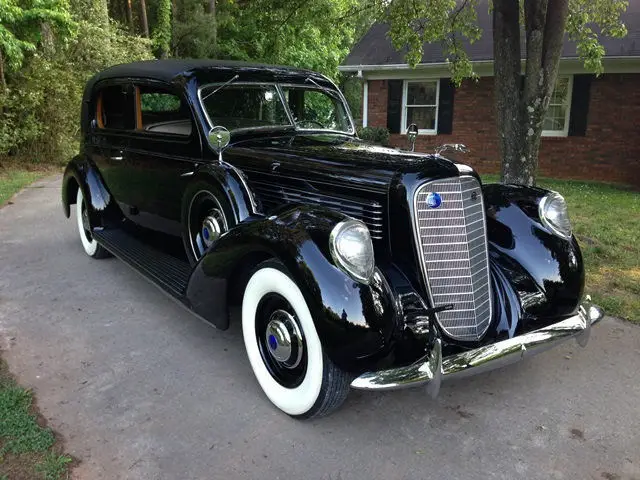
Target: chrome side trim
(483,359)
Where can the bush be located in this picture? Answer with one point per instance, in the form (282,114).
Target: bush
(378,135)
(40,110)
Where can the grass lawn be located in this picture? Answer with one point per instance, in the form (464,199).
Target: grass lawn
(13,179)
(606,221)
(28,450)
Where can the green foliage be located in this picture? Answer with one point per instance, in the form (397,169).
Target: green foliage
(22,27)
(40,117)
(378,135)
(53,466)
(584,16)
(159,102)
(19,431)
(415,22)
(306,34)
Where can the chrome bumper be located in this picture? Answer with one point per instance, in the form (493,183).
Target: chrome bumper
(436,369)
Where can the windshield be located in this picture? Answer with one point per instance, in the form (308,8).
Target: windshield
(245,106)
(315,109)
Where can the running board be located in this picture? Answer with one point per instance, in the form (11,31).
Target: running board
(169,273)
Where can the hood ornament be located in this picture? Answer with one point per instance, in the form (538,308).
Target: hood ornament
(452,147)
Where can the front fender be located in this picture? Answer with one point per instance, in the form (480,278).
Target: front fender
(545,271)
(355,322)
(231,182)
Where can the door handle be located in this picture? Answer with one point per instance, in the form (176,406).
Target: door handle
(117,158)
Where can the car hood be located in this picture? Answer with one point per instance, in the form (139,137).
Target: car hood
(343,150)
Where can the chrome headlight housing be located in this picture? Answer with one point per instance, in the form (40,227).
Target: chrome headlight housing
(352,250)
(554,215)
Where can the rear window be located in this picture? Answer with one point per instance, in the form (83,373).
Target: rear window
(114,108)
(162,112)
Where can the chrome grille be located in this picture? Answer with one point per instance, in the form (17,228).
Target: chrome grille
(453,249)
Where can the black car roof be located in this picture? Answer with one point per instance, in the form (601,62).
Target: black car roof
(171,69)
(205,71)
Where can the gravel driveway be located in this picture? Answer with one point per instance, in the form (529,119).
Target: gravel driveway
(140,389)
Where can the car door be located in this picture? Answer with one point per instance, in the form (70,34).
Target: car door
(163,151)
(113,113)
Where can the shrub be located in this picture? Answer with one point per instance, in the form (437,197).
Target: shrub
(378,135)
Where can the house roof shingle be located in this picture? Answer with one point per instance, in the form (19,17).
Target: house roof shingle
(375,47)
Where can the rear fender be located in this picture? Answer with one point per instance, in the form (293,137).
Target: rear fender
(354,321)
(81,173)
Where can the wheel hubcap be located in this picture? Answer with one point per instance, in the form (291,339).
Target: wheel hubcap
(211,229)
(284,339)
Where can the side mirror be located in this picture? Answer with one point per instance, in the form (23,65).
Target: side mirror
(218,138)
(412,134)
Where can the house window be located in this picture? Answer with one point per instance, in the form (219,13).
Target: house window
(420,105)
(556,121)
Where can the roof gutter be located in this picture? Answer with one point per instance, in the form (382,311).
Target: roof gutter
(475,63)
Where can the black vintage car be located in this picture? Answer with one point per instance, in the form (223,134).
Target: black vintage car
(355,266)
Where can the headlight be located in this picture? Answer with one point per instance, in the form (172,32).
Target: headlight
(352,250)
(554,215)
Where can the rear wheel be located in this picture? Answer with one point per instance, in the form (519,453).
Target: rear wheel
(284,348)
(90,245)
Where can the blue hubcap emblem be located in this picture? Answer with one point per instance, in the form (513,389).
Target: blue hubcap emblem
(205,232)
(273,343)
(434,200)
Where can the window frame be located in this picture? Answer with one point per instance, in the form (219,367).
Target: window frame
(98,106)
(278,87)
(567,115)
(245,84)
(403,119)
(136,83)
(340,97)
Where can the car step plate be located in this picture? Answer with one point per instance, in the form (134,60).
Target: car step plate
(168,272)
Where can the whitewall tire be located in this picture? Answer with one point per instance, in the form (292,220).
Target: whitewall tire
(292,370)
(91,247)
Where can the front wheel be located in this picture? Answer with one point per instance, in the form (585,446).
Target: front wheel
(284,348)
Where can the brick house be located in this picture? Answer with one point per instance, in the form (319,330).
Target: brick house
(592,129)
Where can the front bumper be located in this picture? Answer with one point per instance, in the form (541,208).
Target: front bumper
(436,369)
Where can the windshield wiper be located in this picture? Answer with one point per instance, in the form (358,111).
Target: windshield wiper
(233,79)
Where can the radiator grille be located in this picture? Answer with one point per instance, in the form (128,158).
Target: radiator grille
(453,249)
(370,212)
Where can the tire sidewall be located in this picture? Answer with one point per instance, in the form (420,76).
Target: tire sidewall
(296,401)
(90,246)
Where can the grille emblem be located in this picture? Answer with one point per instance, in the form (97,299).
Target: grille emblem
(474,196)
(434,200)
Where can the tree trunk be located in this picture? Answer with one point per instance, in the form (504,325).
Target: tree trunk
(211,10)
(129,13)
(3,80)
(143,18)
(506,54)
(521,107)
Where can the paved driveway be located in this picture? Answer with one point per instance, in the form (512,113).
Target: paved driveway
(141,389)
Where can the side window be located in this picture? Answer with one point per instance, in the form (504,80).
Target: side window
(162,112)
(114,108)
